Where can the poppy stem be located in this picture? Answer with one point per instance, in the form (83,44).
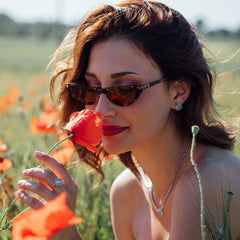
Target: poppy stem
(7,210)
(25,210)
(195,130)
(56,144)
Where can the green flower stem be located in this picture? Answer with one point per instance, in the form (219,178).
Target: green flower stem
(23,211)
(12,203)
(227,231)
(195,130)
(56,144)
(7,210)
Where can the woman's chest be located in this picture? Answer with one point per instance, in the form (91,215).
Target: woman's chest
(149,225)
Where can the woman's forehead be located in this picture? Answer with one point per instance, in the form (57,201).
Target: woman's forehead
(119,55)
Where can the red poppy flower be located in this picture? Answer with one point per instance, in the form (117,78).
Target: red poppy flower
(3,104)
(12,97)
(44,222)
(5,164)
(46,123)
(9,99)
(14,94)
(3,147)
(64,155)
(87,129)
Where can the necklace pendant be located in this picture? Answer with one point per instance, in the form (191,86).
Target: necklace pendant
(160,210)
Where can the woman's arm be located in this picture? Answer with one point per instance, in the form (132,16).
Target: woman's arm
(121,211)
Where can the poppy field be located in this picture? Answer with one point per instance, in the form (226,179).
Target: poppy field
(27,118)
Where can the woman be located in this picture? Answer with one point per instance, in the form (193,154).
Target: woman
(140,65)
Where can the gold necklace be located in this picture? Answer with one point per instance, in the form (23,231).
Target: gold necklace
(160,209)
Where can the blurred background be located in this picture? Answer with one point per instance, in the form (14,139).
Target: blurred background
(30,32)
(215,13)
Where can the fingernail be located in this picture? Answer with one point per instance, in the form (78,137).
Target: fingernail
(21,194)
(25,171)
(39,154)
(21,182)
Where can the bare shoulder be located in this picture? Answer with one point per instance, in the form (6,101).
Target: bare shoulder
(124,184)
(125,194)
(218,170)
(221,170)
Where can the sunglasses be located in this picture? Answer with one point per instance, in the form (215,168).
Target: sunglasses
(121,96)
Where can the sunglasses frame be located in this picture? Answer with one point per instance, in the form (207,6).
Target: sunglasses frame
(99,90)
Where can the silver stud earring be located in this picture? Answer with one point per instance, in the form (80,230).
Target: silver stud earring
(178,107)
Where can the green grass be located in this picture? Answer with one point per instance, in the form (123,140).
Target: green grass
(25,55)
(23,62)
(227,92)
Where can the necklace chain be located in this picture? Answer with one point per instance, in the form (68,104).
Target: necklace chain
(160,210)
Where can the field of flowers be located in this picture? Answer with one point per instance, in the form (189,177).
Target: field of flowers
(24,102)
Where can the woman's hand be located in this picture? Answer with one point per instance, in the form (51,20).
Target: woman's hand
(47,192)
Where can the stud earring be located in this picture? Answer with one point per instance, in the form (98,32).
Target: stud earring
(178,107)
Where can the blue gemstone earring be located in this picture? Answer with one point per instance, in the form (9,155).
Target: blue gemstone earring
(178,107)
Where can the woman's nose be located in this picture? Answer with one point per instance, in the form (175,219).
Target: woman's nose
(104,107)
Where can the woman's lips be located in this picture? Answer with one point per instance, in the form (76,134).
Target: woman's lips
(110,130)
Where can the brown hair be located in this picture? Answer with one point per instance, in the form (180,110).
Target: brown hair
(164,35)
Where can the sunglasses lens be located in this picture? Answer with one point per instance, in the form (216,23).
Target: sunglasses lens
(123,96)
(77,91)
(82,93)
(91,96)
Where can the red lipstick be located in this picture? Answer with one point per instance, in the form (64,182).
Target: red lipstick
(110,130)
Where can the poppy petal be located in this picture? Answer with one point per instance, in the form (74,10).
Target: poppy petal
(46,221)
(86,127)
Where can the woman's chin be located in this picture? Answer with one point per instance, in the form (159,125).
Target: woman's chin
(113,148)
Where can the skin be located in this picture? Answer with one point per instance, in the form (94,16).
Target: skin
(156,144)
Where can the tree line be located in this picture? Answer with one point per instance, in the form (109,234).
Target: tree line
(218,33)
(57,30)
(42,30)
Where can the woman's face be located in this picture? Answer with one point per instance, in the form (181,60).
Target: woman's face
(141,124)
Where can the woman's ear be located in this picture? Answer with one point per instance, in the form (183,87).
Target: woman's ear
(181,90)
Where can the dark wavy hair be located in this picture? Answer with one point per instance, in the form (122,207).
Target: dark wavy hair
(165,36)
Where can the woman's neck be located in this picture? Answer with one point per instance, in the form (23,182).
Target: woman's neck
(159,161)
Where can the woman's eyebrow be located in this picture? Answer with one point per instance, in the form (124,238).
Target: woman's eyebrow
(114,75)
(121,74)
(90,74)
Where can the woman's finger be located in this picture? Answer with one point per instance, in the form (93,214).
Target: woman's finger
(37,188)
(68,185)
(30,201)
(57,167)
(44,176)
